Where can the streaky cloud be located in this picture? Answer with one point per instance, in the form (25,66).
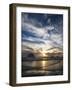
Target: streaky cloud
(35,33)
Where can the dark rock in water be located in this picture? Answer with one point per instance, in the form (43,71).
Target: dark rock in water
(31,55)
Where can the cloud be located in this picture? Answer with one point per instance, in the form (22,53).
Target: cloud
(36,46)
(45,16)
(49,21)
(39,32)
(26,19)
(39,35)
(56,37)
(33,40)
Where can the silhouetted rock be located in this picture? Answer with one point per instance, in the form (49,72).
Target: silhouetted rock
(31,55)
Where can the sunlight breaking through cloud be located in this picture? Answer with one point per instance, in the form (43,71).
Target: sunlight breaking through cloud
(42,31)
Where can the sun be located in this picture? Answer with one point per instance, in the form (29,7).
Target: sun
(43,53)
(43,63)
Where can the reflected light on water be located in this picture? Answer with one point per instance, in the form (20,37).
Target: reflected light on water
(43,63)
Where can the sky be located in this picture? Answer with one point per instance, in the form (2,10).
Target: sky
(42,31)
